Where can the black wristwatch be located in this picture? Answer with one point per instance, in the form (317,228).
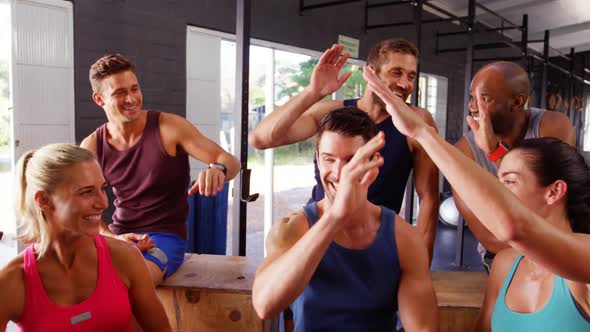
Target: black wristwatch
(222,167)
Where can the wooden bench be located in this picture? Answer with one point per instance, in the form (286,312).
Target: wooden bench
(211,293)
(459,296)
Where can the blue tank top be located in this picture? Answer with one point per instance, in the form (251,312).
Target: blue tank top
(352,290)
(561,313)
(388,189)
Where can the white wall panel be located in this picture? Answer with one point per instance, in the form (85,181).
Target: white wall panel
(42,95)
(34,136)
(203,102)
(40,34)
(203,54)
(43,67)
(203,96)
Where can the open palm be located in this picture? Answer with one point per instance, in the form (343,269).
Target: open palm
(324,78)
(404,118)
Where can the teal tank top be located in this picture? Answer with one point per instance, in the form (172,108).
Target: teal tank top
(561,313)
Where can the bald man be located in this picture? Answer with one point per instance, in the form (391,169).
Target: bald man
(499,118)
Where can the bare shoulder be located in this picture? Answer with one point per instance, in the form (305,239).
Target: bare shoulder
(12,286)
(502,264)
(558,125)
(323,107)
(425,115)
(287,231)
(125,257)
(406,236)
(170,119)
(550,118)
(89,143)
(174,129)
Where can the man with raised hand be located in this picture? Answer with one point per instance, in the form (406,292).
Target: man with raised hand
(395,61)
(345,263)
(499,119)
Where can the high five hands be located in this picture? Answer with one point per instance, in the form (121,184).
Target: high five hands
(324,78)
(404,118)
(356,177)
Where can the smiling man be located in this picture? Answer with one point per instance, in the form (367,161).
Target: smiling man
(500,118)
(396,62)
(344,263)
(144,157)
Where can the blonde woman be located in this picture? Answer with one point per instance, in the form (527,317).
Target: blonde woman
(70,278)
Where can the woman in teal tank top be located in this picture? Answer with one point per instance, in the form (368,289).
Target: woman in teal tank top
(540,284)
(540,208)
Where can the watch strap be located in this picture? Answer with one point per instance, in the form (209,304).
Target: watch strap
(219,166)
(500,152)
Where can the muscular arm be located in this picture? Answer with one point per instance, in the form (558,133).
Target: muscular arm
(89,143)
(12,288)
(416,299)
(299,118)
(558,125)
(426,185)
(481,233)
(295,121)
(179,131)
(294,252)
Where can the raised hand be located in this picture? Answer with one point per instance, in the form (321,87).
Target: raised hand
(404,118)
(324,78)
(483,132)
(356,177)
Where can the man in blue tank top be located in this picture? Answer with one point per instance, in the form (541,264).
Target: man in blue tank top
(344,263)
(500,118)
(144,157)
(395,61)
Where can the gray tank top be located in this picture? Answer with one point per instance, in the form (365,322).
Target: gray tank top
(532,132)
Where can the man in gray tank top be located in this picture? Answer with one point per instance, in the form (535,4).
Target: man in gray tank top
(144,157)
(499,119)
